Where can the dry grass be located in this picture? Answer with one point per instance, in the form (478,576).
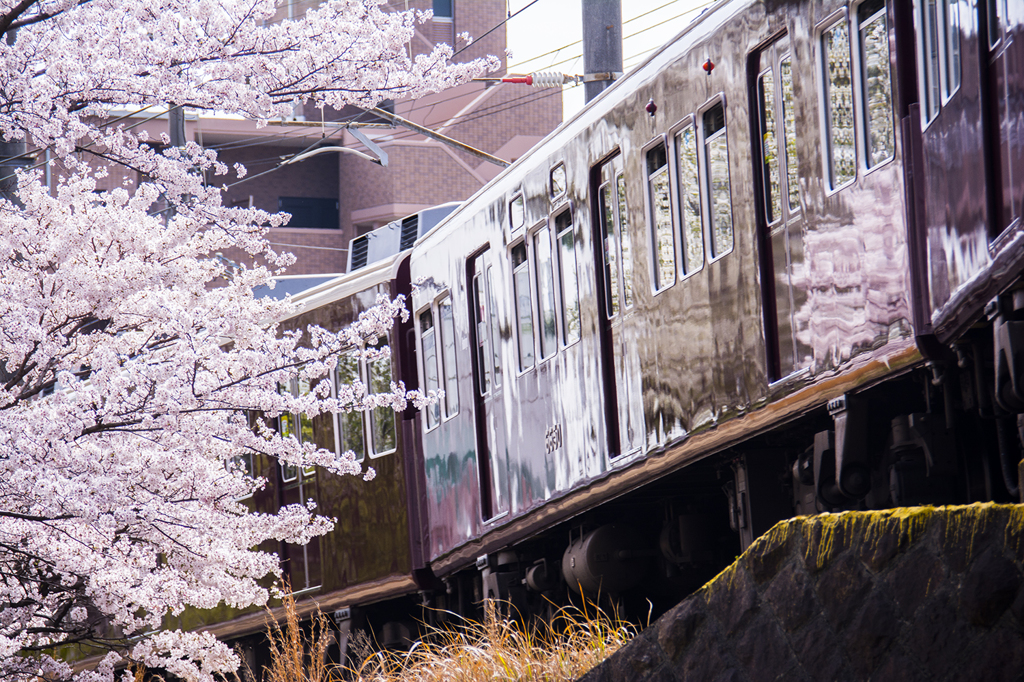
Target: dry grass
(503,649)
(500,648)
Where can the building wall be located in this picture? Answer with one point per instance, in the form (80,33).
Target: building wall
(503,119)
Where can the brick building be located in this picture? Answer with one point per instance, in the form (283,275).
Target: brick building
(334,197)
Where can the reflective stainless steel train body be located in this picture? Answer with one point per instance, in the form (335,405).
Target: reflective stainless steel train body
(674,359)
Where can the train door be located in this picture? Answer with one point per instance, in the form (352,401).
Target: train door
(615,282)
(780,218)
(485,336)
(1005,34)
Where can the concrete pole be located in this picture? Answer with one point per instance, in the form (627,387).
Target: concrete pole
(176,125)
(602,43)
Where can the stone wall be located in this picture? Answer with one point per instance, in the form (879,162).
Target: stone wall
(924,594)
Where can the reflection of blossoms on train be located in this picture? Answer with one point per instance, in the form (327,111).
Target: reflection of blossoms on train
(789,131)
(854,279)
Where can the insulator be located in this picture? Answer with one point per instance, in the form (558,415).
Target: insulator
(547,79)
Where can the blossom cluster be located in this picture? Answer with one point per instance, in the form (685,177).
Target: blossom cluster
(130,356)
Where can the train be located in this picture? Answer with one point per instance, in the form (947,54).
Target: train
(776,269)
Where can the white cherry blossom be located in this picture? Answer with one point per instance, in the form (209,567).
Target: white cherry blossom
(130,356)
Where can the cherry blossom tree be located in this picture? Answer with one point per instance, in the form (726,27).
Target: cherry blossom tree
(131,358)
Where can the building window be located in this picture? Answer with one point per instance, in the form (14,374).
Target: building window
(838,101)
(660,210)
(716,150)
(443,9)
(310,212)
(524,309)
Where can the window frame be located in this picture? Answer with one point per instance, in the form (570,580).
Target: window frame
(560,304)
(444,414)
(922,34)
(519,197)
(532,234)
(836,18)
(514,270)
(557,198)
(682,274)
(860,97)
(657,286)
(719,99)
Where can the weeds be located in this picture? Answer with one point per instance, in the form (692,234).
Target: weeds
(500,648)
(503,649)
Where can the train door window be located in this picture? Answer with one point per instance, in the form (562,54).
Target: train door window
(351,424)
(428,348)
(690,221)
(625,241)
(495,328)
(876,85)
(451,376)
(996,16)
(716,154)
(659,206)
(517,212)
(382,419)
(568,277)
(938,52)
(609,209)
(840,142)
(558,181)
(482,322)
(524,305)
(545,292)
(777,118)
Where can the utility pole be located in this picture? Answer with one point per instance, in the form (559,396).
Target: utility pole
(602,44)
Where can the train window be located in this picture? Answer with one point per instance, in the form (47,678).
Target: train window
(524,309)
(660,207)
(517,212)
(545,292)
(558,181)
(451,376)
(876,95)
(789,131)
(298,426)
(625,242)
(839,126)
(938,48)
(769,147)
(611,256)
(480,305)
(567,275)
(495,328)
(691,223)
(382,419)
(716,150)
(996,14)
(428,346)
(351,423)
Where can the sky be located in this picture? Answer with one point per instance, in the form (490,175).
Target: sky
(547,35)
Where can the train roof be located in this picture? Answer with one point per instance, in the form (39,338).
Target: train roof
(699,28)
